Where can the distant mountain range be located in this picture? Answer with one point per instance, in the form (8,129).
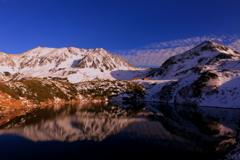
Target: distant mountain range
(206,75)
(71,64)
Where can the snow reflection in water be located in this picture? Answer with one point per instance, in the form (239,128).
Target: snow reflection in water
(103,130)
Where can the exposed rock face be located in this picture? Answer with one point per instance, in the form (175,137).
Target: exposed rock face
(103,60)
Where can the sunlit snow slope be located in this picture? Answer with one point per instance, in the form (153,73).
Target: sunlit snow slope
(208,74)
(71,64)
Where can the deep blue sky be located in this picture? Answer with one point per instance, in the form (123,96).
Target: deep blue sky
(111,24)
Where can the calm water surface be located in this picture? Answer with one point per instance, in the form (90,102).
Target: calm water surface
(108,131)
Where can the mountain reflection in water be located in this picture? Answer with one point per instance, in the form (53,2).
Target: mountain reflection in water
(102,130)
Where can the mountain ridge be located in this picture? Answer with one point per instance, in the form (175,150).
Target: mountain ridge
(197,56)
(69,63)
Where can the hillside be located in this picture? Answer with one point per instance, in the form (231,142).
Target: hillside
(108,90)
(36,91)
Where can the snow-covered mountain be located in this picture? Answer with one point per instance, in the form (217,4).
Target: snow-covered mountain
(207,75)
(211,55)
(73,64)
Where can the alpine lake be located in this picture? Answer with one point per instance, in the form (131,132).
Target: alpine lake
(119,130)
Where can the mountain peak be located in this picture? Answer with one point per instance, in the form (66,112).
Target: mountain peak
(206,53)
(208,42)
(211,46)
(69,63)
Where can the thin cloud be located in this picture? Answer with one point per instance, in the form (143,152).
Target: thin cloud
(156,53)
(153,57)
(193,41)
(235,45)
